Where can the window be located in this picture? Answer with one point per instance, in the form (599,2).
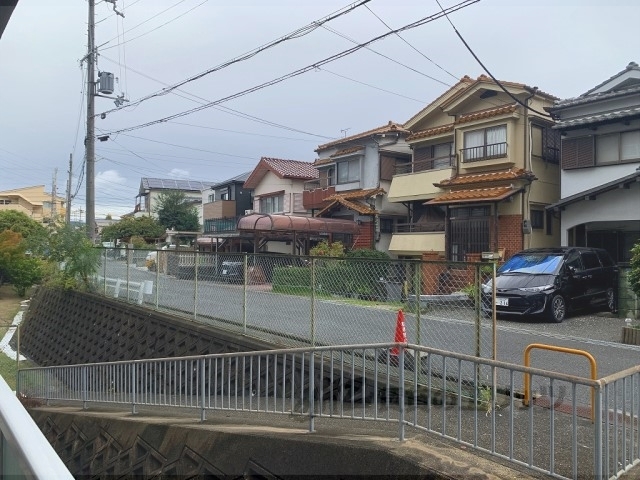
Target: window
(485,143)
(5,202)
(349,171)
(212,197)
(590,260)
(549,222)
(273,204)
(386,225)
(617,147)
(537,219)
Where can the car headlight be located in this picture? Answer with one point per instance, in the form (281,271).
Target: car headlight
(537,289)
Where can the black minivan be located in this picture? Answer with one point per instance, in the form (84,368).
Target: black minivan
(553,282)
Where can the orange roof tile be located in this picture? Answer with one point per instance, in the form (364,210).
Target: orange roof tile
(347,151)
(487,113)
(391,127)
(484,177)
(430,132)
(294,169)
(345,199)
(474,195)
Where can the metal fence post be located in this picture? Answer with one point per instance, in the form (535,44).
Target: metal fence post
(129,253)
(401,392)
(312,413)
(418,292)
(597,434)
(195,286)
(478,297)
(157,277)
(201,365)
(47,387)
(313,302)
(84,387)
(17,347)
(104,272)
(244,293)
(133,388)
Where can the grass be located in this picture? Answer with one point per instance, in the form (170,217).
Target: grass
(9,307)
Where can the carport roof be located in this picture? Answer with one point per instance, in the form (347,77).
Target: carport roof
(292,223)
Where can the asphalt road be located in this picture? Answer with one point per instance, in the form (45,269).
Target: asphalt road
(451,328)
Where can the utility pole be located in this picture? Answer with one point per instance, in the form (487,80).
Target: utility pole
(67,216)
(54,190)
(90,145)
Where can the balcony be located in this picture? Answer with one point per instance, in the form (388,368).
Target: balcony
(418,185)
(423,165)
(420,227)
(221,225)
(484,152)
(415,243)
(316,191)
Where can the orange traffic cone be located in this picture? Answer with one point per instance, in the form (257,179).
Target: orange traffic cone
(401,333)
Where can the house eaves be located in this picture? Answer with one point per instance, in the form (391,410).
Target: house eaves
(493,194)
(597,119)
(631,67)
(487,177)
(391,127)
(623,182)
(291,169)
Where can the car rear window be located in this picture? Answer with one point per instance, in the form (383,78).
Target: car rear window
(605,258)
(532,263)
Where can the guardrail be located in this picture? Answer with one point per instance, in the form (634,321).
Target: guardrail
(420,387)
(24,450)
(132,290)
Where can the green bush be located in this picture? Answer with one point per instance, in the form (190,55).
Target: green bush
(634,272)
(292,280)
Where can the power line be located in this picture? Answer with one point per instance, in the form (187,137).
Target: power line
(346,37)
(300,32)
(300,71)
(516,99)
(414,48)
(230,111)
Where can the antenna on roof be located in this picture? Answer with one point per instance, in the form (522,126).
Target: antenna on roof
(344,131)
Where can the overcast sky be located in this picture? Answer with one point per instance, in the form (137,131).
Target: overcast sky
(564,47)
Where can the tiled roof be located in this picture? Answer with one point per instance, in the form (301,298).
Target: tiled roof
(486,78)
(462,85)
(391,127)
(347,151)
(474,195)
(630,66)
(487,113)
(173,184)
(430,132)
(293,169)
(345,199)
(594,97)
(497,176)
(238,178)
(597,118)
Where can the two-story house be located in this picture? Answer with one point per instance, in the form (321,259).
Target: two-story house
(484,166)
(35,203)
(600,165)
(354,176)
(151,189)
(222,205)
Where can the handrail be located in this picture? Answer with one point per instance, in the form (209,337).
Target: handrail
(32,453)
(554,348)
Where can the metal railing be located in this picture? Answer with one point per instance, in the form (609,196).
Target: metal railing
(422,388)
(447,161)
(24,450)
(484,152)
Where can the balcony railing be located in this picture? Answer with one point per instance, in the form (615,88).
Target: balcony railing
(318,183)
(218,225)
(484,152)
(420,227)
(447,161)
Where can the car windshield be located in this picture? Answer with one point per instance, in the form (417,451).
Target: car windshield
(532,263)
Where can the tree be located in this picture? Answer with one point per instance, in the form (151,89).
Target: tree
(21,223)
(16,266)
(146,227)
(74,253)
(175,211)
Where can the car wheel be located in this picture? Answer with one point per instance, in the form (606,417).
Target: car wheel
(557,309)
(611,300)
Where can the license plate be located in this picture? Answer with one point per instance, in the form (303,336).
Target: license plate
(503,302)
(224,272)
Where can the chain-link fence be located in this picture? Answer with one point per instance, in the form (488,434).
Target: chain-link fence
(297,300)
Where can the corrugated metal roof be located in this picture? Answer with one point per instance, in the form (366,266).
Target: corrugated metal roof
(173,184)
(291,223)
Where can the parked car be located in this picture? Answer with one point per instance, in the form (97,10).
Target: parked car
(553,282)
(232,271)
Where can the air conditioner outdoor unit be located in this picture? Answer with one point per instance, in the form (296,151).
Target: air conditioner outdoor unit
(248,212)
